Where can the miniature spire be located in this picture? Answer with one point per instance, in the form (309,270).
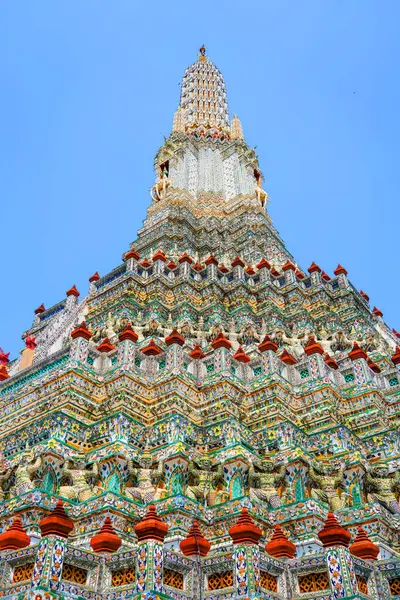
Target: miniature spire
(221,342)
(279,545)
(362,547)
(95,277)
(151,527)
(106,540)
(268,344)
(72,292)
(174,338)
(396,356)
(81,331)
(128,334)
(313,347)
(236,129)
(241,356)
(151,349)
(357,352)
(245,531)
(197,352)
(14,537)
(195,544)
(105,346)
(40,309)
(333,534)
(57,522)
(287,358)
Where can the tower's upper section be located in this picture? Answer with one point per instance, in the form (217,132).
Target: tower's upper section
(203,96)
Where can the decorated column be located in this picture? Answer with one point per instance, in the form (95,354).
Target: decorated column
(316,362)
(222,355)
(126,347)
(362,372)
(290,272)
(151,532)
(238,268)
(174,341)
(245,536)
(80,343)
(315,273)
(341,274)
(269,359)
(264,268)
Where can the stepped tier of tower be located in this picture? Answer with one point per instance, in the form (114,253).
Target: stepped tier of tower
(210,420)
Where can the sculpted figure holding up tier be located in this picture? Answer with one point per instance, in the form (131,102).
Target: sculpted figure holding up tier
(382,485)
(328,479)
(4,476)
(204,481)
(147,479)
(25,470)
(263,480)
(80,489)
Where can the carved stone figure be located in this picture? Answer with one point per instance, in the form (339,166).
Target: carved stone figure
(4,476)
(328,478)
(204,481)
(263,479)
(159,189)
(80,488)
(25,470)
(147,478)
(381,485)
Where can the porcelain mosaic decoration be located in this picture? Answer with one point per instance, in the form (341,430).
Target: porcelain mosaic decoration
(210,420)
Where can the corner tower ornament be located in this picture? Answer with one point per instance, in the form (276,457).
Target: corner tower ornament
(208,410)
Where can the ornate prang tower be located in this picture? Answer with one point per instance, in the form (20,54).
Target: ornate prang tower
(210,421)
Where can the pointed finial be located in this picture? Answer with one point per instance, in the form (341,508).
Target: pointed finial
(203,50)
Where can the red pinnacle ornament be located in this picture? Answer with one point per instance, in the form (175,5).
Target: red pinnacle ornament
(40,309)
(333,534)
(241,356)
(357,352)
(73,292)
(263,264)
(250,271)
(373,366)
(57,522)
(396,356)
(14,537)
(151,349)
(325,276)
(145,263)
(159,255)
(4,357)
(94,277)
(331,362)
(128,334)
(268,344)
(174,338)
(185,258)
(195,544)
(197,352)
(313,347)
(211,260)
(279,545)
(81,332)
(287,358)
(377,312)
(106,540)
(221,342)
(340,270)
(171,265)
(363,547)
(364,295)
(198,267)
(3,373)
(223,268)
(314,268)
(237,262)
(30,342)
(131,254)
(245,531)
(151,527)
(105,346)
(288,266)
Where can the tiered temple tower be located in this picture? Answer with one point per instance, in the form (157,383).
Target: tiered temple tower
(210,420)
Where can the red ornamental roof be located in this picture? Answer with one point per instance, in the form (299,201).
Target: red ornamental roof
(300,275)
(73,292)
(105,346)
(174,338)
(197,352)
(159,255)
(131,254)
(30,342)
(211,260)
(171,265)
(4,357)
(263,264)
(40,309)
(3,373)
(331,362)
(377,312)
(364,295)
(57,522)
(314,268)
(223,268)
(106,540)
(145,263)
(288,266)
(333,534)
(151,349)
(396,356)
(357,352)
(362,547)
(245,531)
(81,331)
(151,527)
(237,262)
(268,344)
(128,334)
(373,366)
(313,347)
(185,258)
(14,537)
(279,545)
(94,277)
(241,356)
(221,342)
(250,271)
(198,267)
(287,358)
(340,270)
(195,544)
(325,276)
(274,272)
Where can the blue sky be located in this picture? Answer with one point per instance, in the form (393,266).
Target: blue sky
(88,89)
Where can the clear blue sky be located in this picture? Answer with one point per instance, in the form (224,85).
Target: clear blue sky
(88,89)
